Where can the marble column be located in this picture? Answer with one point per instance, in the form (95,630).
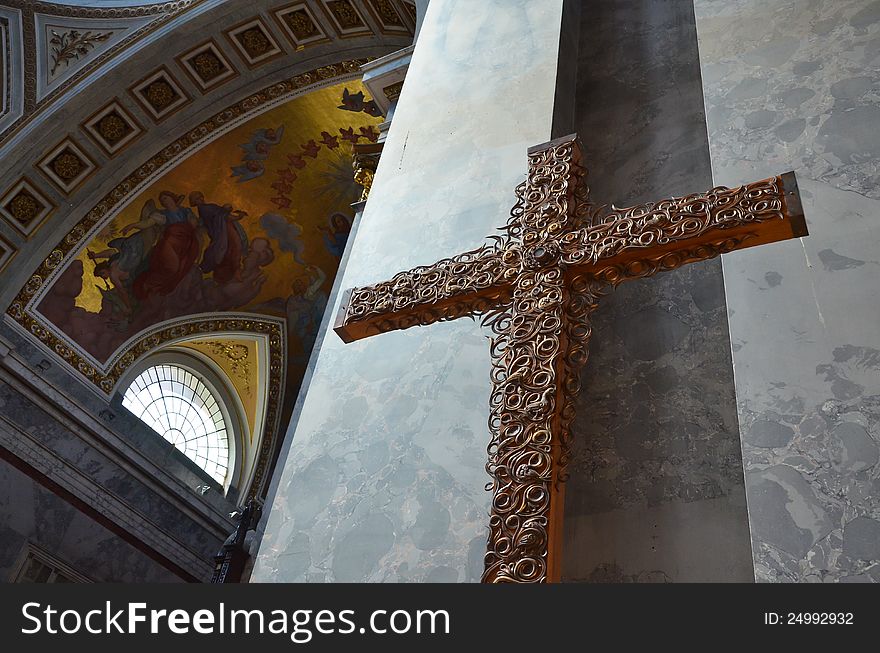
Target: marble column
(421,8)
(383,473)
(795,85)
(656,490)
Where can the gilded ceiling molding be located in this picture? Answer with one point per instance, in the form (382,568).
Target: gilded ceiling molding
(388,17)
(411,12)
(69,45)
(301,26)
(22,309)
(237,357)
(112,128)
(67,166)
(24,207)
(163,13)
(160,94)
(207,66)
(243,360)
(254,42)
(346,18)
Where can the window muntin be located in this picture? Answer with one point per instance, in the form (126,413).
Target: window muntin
(179,406)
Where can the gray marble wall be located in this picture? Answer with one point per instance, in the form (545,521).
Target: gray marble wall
(21,413)
(384,476)
(29,513)
(109,464)
(656,490)
(795,85)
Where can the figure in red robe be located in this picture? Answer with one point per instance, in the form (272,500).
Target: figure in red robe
(174,253)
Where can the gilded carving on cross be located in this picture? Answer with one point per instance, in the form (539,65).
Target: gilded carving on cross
(536,287)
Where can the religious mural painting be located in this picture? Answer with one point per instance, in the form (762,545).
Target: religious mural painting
(256,221)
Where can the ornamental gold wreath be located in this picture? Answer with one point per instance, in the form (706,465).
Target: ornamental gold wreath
(536,286)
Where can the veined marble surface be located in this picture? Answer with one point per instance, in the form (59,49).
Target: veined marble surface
(795,85)
(656,490)
(29,513)
(384,473)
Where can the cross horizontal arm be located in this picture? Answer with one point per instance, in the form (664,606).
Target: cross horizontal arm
(761,212)
(466,284)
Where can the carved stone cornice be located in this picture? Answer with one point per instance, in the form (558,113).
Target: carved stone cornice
(392,92)
(384,77)
(129,521)
(88,431)
(6,74)
(272,328)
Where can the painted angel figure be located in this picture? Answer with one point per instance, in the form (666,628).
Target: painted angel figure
(257,150)
(336,233)
(127,256)
(262,140)
(286,232)
(247,171)
(268,135)
(305,306)
(175,250)
(357,102)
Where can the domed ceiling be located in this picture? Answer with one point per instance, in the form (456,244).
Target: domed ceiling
(254,222)
(178,175)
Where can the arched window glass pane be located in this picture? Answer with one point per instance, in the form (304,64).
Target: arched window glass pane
(178,406)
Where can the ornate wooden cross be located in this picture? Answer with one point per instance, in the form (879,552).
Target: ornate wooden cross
(536,287)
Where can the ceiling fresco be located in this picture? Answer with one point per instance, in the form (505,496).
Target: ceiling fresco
(256,221)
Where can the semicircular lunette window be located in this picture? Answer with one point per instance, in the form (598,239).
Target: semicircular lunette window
(178,406)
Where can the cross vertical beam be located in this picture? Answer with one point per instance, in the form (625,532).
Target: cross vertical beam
(534,381)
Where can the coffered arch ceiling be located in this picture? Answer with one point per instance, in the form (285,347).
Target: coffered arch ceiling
(254,105)
(50,51)
(51,47)
(115,86)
